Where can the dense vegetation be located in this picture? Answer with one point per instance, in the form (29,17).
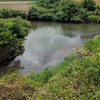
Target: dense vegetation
(8,13)
(12,31)
(86,11)
(65,11)
(76,78)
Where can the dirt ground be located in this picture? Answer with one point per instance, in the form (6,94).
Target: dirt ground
(97,2)
(23,6)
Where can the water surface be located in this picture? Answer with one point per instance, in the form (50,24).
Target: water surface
(48,43)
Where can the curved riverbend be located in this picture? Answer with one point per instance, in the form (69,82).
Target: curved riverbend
(48,43)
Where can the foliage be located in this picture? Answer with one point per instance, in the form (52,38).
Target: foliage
(93,44)
(94,19)
(8,13)
(6,38)
(65,11)
(69,11)
(12,30)
(77,77)
(47,3)
(88,4)
(33,13)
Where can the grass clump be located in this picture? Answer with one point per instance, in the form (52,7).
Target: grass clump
(93,44)
(76,78)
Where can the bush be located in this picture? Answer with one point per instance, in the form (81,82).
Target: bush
(47,3)
(88,4)
(97,12)
(76,78)
(33,13)
(76,19)
(70,9)
(93,19)
(19,27)
(8,39)
(8,13)
(12,30)
(65,11)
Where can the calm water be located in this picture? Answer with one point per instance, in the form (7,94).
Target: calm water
(48,43)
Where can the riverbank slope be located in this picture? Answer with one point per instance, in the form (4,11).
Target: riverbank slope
(12,33)
(77,77)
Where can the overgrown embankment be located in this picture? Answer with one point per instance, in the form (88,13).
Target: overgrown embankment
(77,77)
(12,32)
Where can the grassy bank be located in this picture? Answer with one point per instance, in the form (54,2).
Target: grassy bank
(76,78)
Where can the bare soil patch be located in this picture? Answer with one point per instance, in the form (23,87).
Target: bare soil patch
(97,1)
(22,6)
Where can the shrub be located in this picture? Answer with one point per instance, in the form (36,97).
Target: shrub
(93,19)
(33,13)
(76,19)
(12,30)
(8,13)
(88,4)
(65,11)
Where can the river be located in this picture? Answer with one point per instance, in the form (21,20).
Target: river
(48,43)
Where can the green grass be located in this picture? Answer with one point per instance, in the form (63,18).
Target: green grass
(76,78)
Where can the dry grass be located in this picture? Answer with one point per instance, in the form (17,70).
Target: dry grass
(15,87)
(97,1)
(23,6)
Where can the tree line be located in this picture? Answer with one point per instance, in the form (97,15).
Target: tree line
(68,11)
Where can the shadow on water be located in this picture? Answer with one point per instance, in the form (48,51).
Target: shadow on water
(10,67)
(48,43)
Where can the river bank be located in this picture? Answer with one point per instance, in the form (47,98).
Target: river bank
(78,75)
(52,43)
(12,33)
(8,53)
